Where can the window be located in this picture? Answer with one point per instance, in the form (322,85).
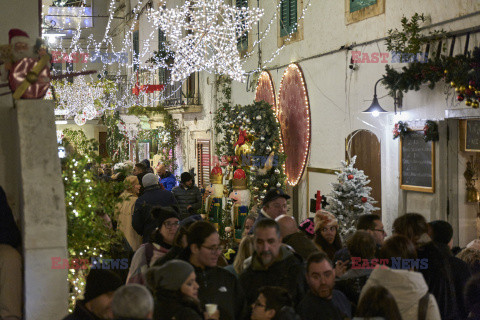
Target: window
(242,39)
(136,50)
(203,162)
(288,17)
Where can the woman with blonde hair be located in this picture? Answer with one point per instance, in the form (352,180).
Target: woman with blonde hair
(245,250)
(124,212)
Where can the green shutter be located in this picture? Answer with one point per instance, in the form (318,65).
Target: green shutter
(242,41)
(136,49)
(288,17)
(292,17)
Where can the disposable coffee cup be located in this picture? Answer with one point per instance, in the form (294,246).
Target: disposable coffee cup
(211,308)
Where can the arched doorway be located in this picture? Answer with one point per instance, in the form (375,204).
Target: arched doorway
(366,146)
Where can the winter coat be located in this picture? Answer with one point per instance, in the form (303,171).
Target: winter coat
(168,181)
(9,232)
(124,211)
(219,286)
(169,305)
(81,313)
(301,244)
(352,282)
(140,263)
(288,271)
(142,220)
(187,196)
(407,288)
(439,277)
(313,307)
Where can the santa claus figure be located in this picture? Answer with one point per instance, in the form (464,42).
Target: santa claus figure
(19,47)
(241,197)
(214,203)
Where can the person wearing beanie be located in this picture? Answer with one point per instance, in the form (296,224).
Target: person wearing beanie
(307,226)
(441,233)
(146,163)
(153,196)
(327,237)
(161,241)
(175,291)
(188,196)
(99,291)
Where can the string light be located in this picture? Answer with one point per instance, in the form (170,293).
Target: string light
(203,34)
(293,70)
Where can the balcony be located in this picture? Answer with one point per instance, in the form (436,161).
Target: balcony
(183,97)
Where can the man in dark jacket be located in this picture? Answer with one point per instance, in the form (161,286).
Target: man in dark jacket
(188,196)
(9,233)
(216,285)
(295,238)
(273,264)
(274,205)
(167,179)
(322,301)
(142,221)
(97,302)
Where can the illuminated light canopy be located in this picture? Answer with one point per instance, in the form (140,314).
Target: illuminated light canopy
(266,90)
(203,34)
(69,17)
(294,116)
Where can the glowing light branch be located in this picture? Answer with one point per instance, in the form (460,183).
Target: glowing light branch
(203,34)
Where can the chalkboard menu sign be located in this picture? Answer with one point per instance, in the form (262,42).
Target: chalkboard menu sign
(417,163)
(472,135)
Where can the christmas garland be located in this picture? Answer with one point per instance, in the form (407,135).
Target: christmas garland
(117,138)
(430,130)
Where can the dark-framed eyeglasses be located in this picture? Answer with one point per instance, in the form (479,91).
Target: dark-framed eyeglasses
(214,249)
(258,304)
(170,225)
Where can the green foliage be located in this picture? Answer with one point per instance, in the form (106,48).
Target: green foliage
(117,139)
(79,142)
(87,199)
(261,125)
(410,40)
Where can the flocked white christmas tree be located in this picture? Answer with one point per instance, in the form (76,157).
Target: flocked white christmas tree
(350,197)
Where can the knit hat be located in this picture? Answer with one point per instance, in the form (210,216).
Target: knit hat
(442,231)
(308,226)
(160,214)
(100,281)
(185,177)
(146,162)
(324,218)
(149,180)
(169,276)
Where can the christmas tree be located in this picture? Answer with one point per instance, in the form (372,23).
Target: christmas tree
(350,197)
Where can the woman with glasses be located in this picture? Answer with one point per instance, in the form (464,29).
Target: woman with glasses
(273,303)
(217,285)
(161,241)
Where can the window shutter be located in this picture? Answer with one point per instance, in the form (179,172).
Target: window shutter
(284,18)
(292,25)
(242,41)
(136,49)
(203,162)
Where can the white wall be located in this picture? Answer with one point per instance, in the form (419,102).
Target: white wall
(338,95)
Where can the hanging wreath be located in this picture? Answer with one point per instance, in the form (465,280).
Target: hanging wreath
(430,131)
(400,130)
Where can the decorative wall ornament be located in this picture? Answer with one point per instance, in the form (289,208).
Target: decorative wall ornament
(266,90)
(203,34)
(293,113)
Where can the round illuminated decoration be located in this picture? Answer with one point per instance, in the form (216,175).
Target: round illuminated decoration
(265,89)
(294,116)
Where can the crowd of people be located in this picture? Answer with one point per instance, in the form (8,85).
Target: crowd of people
(280,269)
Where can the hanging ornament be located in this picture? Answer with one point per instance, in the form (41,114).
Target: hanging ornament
(475,105)
(350,176)
(364,199)
(265,185)
(262,138)
(268,149)
(255,189)
(80,119)
(252,132)
(278,184)
(247,120)
(460,97)
(264,191)
(452,84)
(259,117)
(468,102)
(277,171)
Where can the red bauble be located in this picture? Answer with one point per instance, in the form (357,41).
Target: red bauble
(350,176)
(364,199)
(460,97)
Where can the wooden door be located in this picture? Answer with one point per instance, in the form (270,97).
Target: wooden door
(366,146)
